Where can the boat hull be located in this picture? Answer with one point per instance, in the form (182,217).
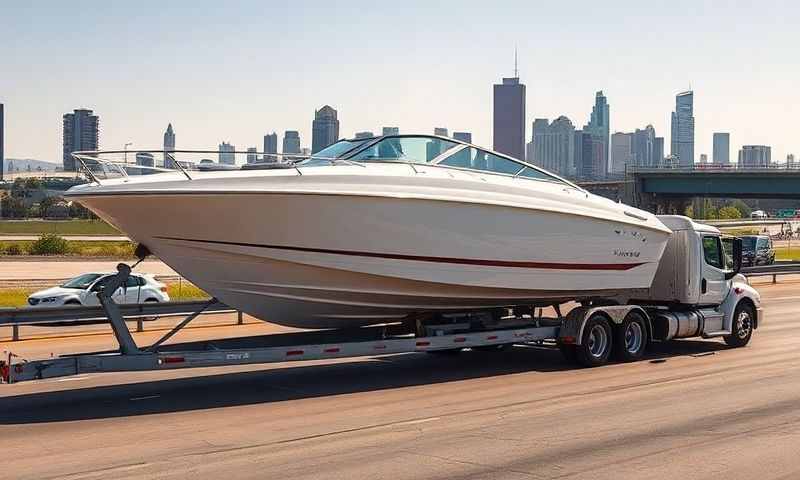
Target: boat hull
(332,260)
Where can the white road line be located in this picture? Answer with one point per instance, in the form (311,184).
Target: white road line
(415,422)
(768,299)
(72,379)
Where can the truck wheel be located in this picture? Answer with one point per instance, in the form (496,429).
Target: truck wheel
(596,343)
(630,338)
(742,328)
(569,352)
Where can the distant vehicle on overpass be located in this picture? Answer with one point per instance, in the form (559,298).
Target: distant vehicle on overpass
(758,215)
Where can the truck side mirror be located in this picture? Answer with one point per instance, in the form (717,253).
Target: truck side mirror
(737,259)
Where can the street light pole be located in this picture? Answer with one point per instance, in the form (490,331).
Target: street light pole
(126,151)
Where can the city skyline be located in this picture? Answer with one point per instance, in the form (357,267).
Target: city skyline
(425,89)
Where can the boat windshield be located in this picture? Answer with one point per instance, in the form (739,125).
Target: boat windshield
(82,282)
(405,149)
(476,159)
(335,150)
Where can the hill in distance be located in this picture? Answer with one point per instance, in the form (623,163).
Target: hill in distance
(21,165)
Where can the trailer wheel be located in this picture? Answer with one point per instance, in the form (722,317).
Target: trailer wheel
(569,352)
(630,338)
(596,343)
(742,328)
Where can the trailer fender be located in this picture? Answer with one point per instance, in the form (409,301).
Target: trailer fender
(572,329)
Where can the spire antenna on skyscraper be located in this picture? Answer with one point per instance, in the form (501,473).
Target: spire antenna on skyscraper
(516,70)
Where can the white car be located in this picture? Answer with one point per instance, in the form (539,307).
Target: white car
(82,290)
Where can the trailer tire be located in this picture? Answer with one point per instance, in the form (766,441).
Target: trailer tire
(630,338)
(742,325)
(596,342)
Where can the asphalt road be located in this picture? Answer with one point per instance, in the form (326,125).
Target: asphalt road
(692,410)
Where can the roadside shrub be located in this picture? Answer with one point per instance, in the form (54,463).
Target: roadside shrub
(50,244)
(13,249)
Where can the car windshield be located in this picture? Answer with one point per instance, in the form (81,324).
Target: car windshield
(82,282)
(748,243)
(336,150)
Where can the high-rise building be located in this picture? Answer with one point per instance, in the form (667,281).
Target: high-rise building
(291,141)
(643,147)
(226,154)
(442,132)
(81,133)
(600,121)
(145,159)
(622,152)
(324,128)
(658,151)
(553,145)
(391,131)
(755,156)
(703,158)
(2,137)
(169,147)
(593,156)
(360,135)
(682,139)
(252,155)
(509,118)
(463,136)
(790,160)
(722,148)
(271,147)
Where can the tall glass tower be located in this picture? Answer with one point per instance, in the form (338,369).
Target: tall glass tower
(509,118)
(682,141)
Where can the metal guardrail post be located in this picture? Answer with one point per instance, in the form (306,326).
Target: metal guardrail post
(774,278)
(140,324)
(239,318)
(14,333)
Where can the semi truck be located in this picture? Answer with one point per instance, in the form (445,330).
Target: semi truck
(697,292)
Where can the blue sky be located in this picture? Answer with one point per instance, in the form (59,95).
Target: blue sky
(235,70)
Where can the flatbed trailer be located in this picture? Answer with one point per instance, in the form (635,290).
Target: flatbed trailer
(693,295)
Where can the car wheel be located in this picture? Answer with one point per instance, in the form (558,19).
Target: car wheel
(72,302)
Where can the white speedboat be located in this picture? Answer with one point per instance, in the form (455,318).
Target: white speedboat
(371,231)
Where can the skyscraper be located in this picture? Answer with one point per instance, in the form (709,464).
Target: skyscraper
(509,118)
(553,145)
(270,147)
(226,154)
(2,136)
(364,135)
(755,156)
(599,122)
(169,147)
(291,141)
(391,131)
(622,154)
(722,148)
(252,156)
(81,132)
(658,151)
(682,139)
(643,146)
(593,156)
(703,158)
(324,128)
(463,136)
(442,132)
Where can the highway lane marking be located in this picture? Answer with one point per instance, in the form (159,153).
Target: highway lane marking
(414,422)
(146,397)
(72,379)
(768,299)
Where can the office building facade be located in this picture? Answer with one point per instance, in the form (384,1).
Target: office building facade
(226,154)
(553,146)
(324,128)
(622,156)
(755,156)
(361,135)
(508,128)
(463,136)
(390,131)
(291,142)
(658,151)
(682,139)
(600,122)
(721,154)
(270,147)
(81,132)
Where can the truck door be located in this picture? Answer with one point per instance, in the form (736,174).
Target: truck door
(712,283)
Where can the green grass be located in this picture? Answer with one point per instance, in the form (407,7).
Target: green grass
(786,253)
(80,248)
(739,231)
(18,297)
(61,227)
(14,297)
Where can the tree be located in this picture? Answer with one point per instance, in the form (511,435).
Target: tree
(689,212)
(744,210)
(729,213)
(12,207)
(45,205)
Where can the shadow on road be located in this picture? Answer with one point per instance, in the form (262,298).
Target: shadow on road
(297,382)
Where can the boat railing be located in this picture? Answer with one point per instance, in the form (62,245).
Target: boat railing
(99,165)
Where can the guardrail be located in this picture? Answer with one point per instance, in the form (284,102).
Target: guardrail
(774,270)
(80,315)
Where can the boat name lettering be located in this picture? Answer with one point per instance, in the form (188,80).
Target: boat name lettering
(237,356)
(627,253)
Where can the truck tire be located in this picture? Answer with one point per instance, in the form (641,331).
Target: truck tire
(630,338)
(569,352)
(742,327)
(596,342)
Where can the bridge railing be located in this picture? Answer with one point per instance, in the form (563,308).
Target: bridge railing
(711,167)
